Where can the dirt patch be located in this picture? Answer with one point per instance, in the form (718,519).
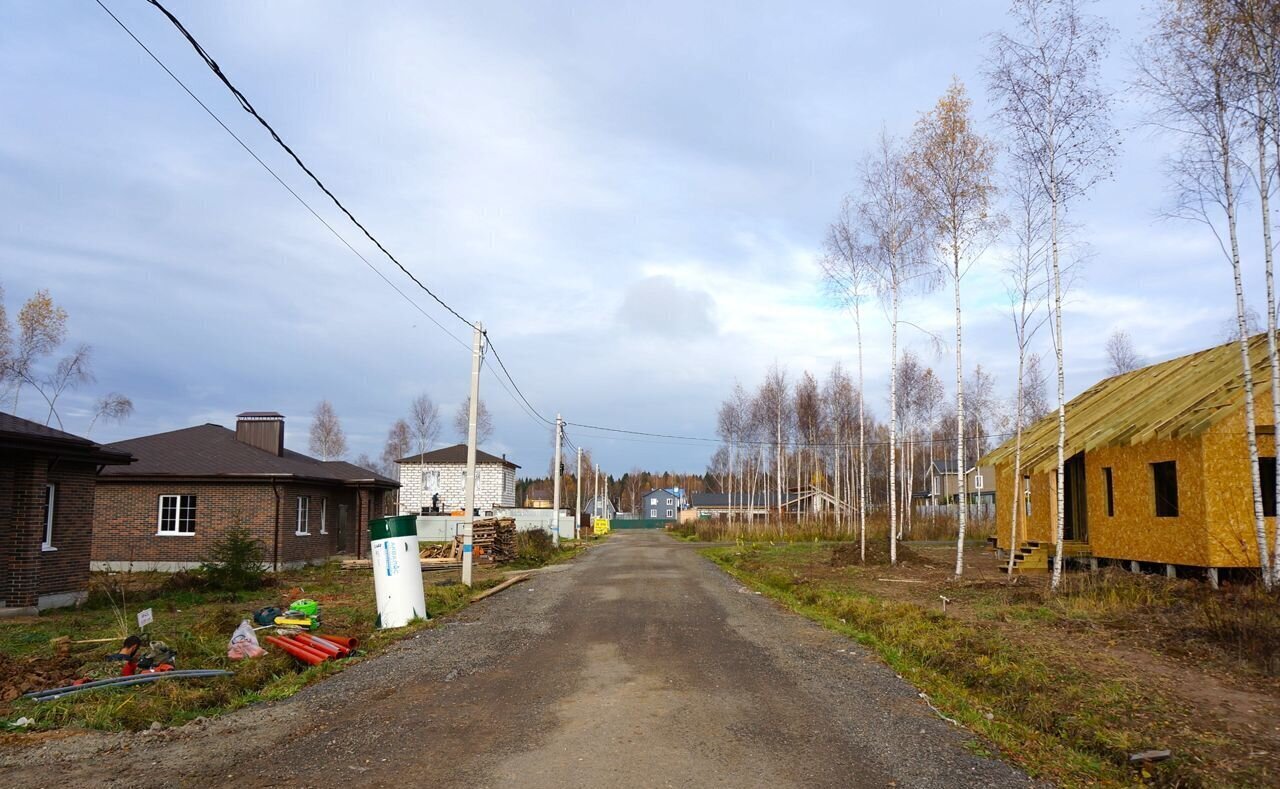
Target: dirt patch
(23,675)
(848,554)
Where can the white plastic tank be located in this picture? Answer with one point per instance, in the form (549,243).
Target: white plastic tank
(397,572)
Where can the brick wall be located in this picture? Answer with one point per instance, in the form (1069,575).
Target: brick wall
(30,575)
(495,486)
(126,521)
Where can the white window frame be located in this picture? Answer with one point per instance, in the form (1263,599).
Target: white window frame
(653,500)
(50,503)
(175,529)
(324,513)
(302,526)
(669,514)
(670,501)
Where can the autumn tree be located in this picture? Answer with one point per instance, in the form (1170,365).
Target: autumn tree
(951,168)
(328,440)
(1045,78)
(25,361)
(1122,357)
(1024,283)
(888,235)
(462,421)
(424,421)
(398,445)
(1190,69)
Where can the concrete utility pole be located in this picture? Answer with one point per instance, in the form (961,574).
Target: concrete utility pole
(469,501)
(577,484)
(595,501)
(555,497)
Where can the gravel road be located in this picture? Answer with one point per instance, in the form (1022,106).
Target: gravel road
(639,664)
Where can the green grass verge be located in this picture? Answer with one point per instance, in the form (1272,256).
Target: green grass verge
(1053,719)
(199,625)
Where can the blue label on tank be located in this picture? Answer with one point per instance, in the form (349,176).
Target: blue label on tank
(467,548)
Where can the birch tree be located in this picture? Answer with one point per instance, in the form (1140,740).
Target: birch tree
(893,236)
(1121,355)
(1189,68)
(1024,283)
(1045,77)
(847,271)
(462,421)
(424,421)
(328,440)
(1257,23)
(952,170)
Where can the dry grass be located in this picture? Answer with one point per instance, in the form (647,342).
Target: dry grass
(1073,682)
(827,530)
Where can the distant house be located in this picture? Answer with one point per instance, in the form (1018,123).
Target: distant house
(540,498)
(47,487)
(600,507)
(659,504)
(1157,468)
(190,486)
(435,481)
(941,483)
(723,505)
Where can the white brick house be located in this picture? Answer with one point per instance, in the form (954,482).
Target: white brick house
(437,479)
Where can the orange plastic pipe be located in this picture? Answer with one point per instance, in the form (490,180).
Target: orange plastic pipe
(328,647)
(342,641)
(296,650)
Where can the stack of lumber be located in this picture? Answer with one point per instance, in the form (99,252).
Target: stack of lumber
(494,539)
(439,550)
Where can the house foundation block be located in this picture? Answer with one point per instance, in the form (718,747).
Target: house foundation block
(1171,571)
(1213,577)
(1134,567)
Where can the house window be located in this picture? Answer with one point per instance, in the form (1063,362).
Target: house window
(668,513)
(1267,468)
(1111,494)
(669,501)
(324,516)
(177,515)
(977,482)
(304,516)
(1165,482)
(50,496)
(653,500)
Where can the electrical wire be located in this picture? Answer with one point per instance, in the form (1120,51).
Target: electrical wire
(276,175)
(249,108)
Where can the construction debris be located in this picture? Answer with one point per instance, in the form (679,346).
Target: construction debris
(493,540)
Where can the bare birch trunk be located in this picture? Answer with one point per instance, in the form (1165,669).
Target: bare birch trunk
(1017,464)
(1251,424)
(1264,196)
(960,466)
(1059,515)
(893,429)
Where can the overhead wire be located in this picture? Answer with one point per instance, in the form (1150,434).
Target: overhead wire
(276,175)
(249,108)
(514,390)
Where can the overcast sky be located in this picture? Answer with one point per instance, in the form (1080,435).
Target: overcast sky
(630,196)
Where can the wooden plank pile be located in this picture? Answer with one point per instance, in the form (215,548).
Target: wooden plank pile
(494,540)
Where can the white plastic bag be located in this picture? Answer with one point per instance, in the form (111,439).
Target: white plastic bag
(244,643)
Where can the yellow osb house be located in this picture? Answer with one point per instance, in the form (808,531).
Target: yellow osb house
(1157,468)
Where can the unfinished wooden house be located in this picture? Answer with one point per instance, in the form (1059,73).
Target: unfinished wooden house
(1157,469)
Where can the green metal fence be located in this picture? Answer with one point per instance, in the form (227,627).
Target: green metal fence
(640,523)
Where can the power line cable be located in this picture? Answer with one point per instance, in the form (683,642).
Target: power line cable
(249,108)
(276,175)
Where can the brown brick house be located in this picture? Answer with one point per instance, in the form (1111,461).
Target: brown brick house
(190,486)
(47,480)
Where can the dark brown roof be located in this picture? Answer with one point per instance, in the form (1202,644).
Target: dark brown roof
(214,451)
(456,454)
(23,434)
